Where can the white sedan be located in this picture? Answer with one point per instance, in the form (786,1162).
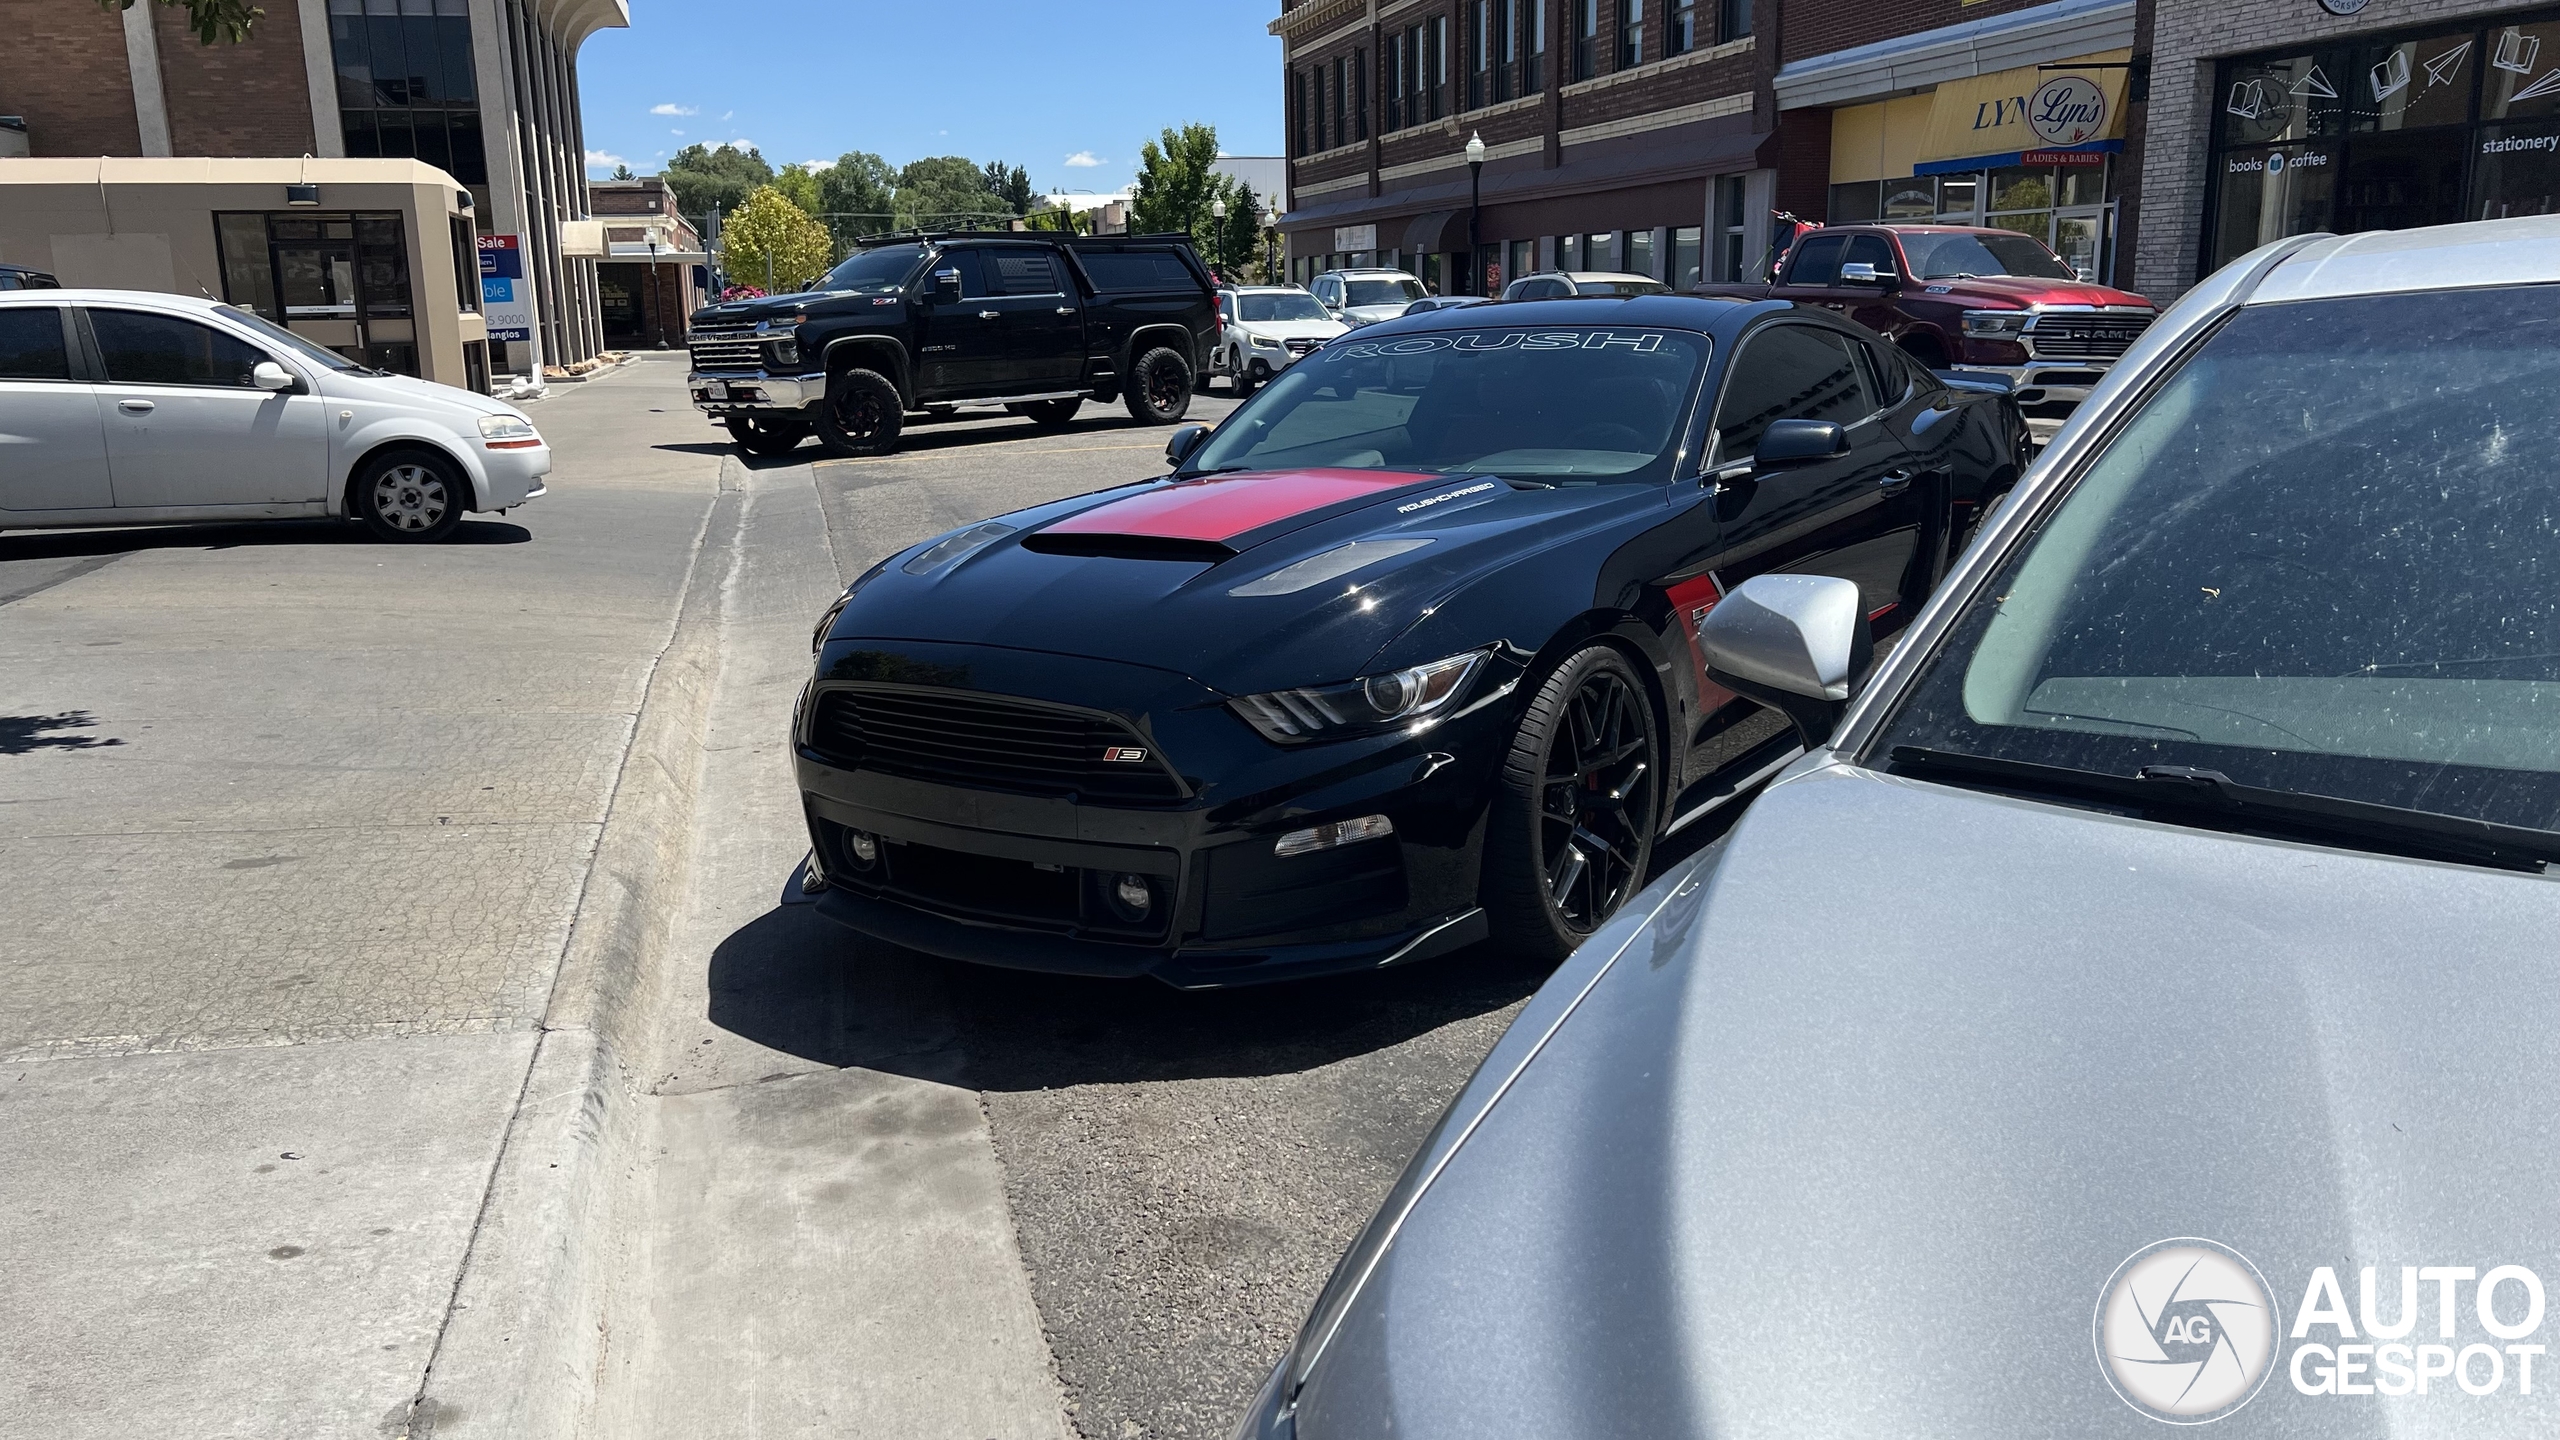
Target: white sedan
(132,407)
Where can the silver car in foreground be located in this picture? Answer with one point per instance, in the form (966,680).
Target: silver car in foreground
(2141,1007)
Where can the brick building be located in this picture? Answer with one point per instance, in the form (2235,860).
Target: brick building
(657,272)
(484,90)
(1618,134)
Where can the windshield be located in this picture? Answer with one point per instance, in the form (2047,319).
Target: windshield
(1955,256)
(311,350)
(1572,405)
(1396,291)
(875,272)
(2324,558)
(1282,306)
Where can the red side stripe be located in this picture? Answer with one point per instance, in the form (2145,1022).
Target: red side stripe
(1221,507)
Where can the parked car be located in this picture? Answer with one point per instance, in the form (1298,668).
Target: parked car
(1365,297)
(2163,932)
(133,407)
(1984,302)
(1429,303)
(1267,327)
(19,277)
(1033,322)
(1549,284)
(1400,658)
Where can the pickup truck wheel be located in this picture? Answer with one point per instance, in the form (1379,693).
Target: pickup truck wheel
(768,434)
(409,496)
(1575,810)
(1159,388)
(1048,414)
(861,414)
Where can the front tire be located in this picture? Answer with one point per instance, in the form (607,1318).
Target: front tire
(1159,388)
(768,434)
(861,415)
(1574,815)
(409,497)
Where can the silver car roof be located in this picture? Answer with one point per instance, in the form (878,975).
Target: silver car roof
(2478,254)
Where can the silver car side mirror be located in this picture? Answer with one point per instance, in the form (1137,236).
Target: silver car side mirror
(1795,643)
(268,375)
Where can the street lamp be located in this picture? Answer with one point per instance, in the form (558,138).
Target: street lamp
(1270,245)
(1475,202)
(1218,214)
(657,297)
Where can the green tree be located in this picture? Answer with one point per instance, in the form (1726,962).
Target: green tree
(622,172)
(796,182)
(703,177)
(1012,185)
(946,192)
(1235,243)
(1063,218)
(211,19)
(771,237)
(856,196)
(1177,185)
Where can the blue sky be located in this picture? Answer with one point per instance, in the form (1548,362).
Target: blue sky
(1067,90)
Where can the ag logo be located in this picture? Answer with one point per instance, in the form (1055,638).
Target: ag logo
(2067,110)
(2186,1331)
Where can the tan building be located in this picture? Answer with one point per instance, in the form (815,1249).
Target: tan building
(483,90)
(373,258)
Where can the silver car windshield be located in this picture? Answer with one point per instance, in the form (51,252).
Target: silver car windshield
(1382,292)
(2323,558)
(1252,307)
(1564,404)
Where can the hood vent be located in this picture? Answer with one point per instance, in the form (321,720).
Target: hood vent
(1127,547)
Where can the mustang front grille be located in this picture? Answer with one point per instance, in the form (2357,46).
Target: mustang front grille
(726,350)
(990,742)
(2085,337)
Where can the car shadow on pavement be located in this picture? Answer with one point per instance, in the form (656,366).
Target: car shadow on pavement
(72,544)
(794,982)
(923,437)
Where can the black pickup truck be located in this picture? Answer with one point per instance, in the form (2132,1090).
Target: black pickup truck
(1037,323)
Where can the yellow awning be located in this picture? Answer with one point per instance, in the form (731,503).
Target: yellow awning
(1990,115)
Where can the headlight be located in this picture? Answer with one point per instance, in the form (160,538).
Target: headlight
(508,427)
(782,326)
(1995,324)
(1265,342)
(1325,712)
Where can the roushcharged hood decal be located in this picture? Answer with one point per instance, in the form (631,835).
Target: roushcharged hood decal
(1223,509)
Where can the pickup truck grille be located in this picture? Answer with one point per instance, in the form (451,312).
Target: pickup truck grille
(2066,336)
(726,349)
(990,742)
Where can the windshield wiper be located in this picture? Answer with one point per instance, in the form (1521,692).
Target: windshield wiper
(2192,794)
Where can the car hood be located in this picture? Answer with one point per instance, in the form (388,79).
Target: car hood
(1292,329)
(1851,1137)
(2020,291)
(409,390)
(1152,574)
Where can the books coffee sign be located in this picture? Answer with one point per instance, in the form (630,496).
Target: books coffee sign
(506,301)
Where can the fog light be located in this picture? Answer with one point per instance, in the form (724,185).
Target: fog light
(1131,894)
(865,847)
(1340,832)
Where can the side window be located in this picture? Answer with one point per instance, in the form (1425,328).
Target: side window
(1787,372)
(145,349)
(31,345)
(1139,270)
(1226,309)
(1817,261)
(1889,379)
(1024,272)
(1869,250)
(973,274)
(9,281)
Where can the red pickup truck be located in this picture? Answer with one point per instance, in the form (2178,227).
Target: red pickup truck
(1966,300)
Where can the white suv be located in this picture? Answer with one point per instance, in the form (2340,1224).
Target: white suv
(133,407)
(1365,297)
(1265,327)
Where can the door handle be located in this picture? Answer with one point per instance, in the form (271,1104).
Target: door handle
(1894,482)
(1066,309)
(990,314)
(135,407)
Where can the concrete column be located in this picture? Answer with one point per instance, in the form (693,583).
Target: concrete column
(320,71)
(494,57)
(150,94)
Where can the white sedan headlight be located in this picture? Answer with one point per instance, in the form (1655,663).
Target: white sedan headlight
(509,431)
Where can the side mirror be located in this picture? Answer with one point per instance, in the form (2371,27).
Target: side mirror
(1862,273)
(946,287)
(1795,643)
(1184,440)
(268,375)
(1792,442)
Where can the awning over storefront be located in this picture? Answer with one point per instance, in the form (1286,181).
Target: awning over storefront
(1993,120)
(1424,235)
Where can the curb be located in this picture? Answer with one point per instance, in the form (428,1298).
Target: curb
(524,1339)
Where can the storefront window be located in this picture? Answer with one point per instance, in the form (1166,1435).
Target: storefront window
(340,280)
(1910,199)
(1640,254)
(1851,204)
(1686,257)
(1957,202)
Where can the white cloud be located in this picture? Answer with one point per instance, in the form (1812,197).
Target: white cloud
(599,158)
(1082,160)
(675,132)
(672,109)
(737,145)
(728,114)
(815,166)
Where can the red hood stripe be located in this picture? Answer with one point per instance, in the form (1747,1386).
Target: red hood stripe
(1221,507)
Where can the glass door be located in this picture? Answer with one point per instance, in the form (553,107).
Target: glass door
(2080,238)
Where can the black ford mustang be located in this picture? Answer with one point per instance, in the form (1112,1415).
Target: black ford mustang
(1400,657)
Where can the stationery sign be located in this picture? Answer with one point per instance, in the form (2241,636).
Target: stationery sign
(506,300)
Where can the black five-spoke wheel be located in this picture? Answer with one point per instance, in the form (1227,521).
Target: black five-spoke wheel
(1572,830)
